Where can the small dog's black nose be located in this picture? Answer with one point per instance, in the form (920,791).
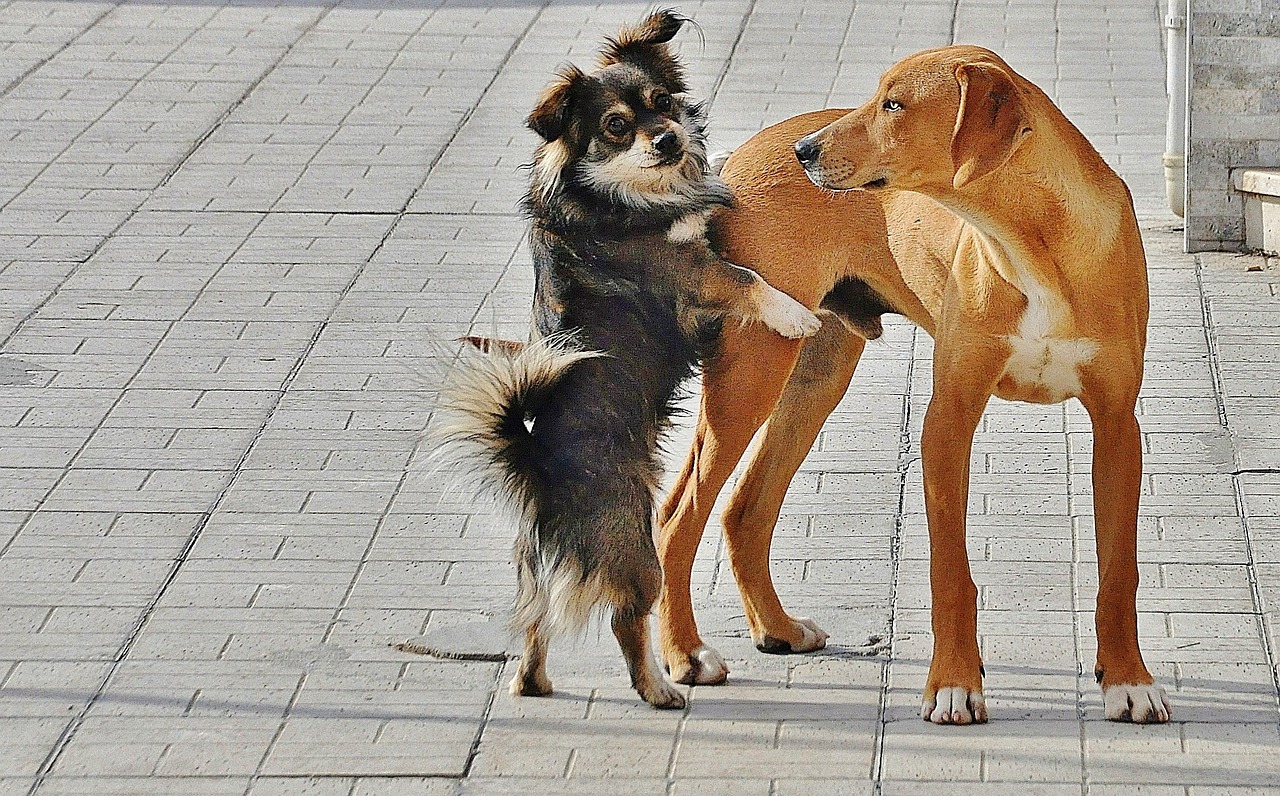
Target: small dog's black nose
(667,143)
(807,151)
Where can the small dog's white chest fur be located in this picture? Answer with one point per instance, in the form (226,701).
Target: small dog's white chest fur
(1040,360)
(689,228)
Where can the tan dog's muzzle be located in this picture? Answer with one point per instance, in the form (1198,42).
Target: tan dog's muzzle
(829,169)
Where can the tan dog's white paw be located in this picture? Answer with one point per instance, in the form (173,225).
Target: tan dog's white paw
(785,315)
(710,668)
(955,705)
(1140,704)
(703,666)
(812,638)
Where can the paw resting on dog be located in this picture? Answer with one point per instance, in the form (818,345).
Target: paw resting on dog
(785,315)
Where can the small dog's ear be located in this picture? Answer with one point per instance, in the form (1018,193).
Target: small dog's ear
(550,117)
(990,124)
(645,45)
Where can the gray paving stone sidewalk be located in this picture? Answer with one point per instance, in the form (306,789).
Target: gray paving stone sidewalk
(234,240)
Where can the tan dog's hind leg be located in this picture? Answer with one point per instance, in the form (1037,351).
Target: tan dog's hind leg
(817,384)
(961,388)
(1129,691)
(738,395)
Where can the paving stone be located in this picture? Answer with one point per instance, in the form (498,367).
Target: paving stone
(235,246)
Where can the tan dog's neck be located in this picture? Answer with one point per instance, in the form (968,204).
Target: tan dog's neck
(1080,199)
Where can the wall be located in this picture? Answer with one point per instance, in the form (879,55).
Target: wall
(1234,91)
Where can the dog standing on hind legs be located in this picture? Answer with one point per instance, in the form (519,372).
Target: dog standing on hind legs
(630,297)
(962,198)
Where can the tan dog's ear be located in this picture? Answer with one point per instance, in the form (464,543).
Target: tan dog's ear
(550,117)
(990,125)
(645,46)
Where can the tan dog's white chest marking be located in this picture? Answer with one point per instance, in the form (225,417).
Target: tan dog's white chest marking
(1040,360)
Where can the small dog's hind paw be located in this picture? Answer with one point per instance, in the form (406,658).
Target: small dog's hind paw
(662,695)
(531,684)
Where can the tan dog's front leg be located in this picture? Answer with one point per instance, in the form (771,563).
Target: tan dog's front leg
(953,692)
(1129,691)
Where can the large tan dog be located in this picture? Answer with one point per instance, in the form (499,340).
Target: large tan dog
(988,219)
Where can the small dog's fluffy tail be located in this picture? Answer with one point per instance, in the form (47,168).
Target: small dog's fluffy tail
(482,435)
(483,412)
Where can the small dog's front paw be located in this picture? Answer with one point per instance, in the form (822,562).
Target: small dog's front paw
(786,316)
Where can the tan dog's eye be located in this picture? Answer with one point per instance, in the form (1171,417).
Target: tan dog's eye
(892,106)
(615,125)
(662,103)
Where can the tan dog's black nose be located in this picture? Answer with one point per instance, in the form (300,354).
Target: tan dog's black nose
(807,151)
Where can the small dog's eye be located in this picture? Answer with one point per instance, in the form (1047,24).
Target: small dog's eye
(615,125)
(662,103)
(892,105)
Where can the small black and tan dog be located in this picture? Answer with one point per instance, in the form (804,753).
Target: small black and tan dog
(630,297)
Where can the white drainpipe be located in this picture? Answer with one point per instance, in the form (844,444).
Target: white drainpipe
(1175,137)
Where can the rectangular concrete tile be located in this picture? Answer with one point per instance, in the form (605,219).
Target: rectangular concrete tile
(1036,751)
(137,786)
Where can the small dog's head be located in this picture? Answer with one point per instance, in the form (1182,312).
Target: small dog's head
(626,132)
(939,120)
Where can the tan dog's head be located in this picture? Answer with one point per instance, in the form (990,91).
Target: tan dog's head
(940,119)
